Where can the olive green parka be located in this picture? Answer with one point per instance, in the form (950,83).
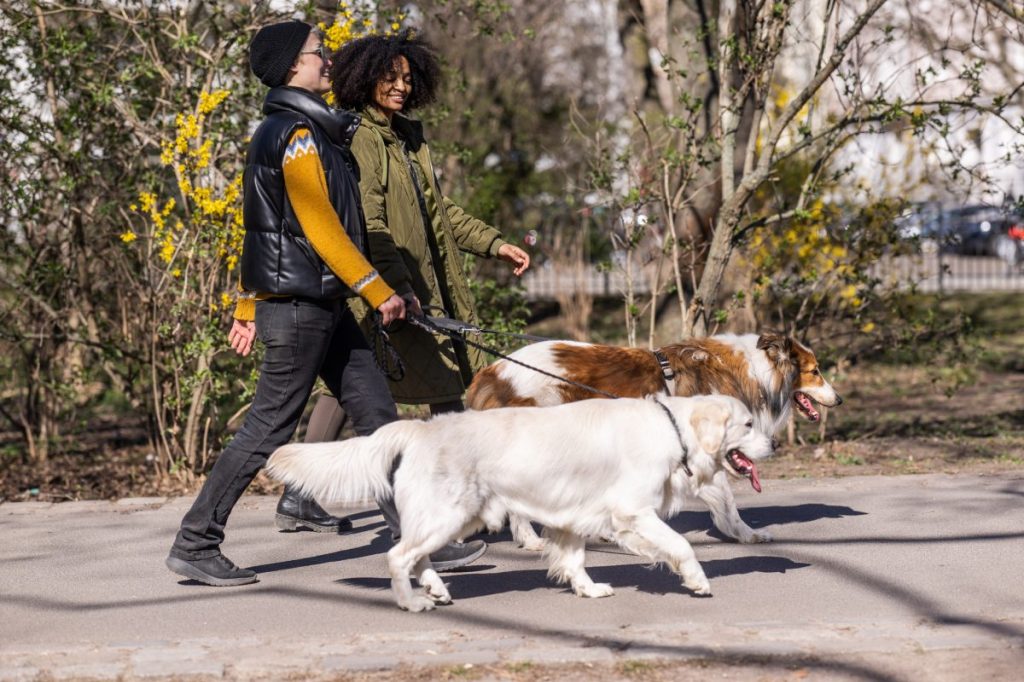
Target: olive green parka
(415,236)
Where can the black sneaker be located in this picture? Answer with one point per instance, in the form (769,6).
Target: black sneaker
(295,512)
(457,554)
(216,570)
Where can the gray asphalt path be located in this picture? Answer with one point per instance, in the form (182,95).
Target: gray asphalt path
(866,576)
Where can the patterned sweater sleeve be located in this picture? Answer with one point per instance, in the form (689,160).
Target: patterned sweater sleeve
(306,185)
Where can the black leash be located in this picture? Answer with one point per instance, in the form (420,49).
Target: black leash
(679,435)
(448,325)
(457,330)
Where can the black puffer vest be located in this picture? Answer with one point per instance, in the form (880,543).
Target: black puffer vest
(276,256)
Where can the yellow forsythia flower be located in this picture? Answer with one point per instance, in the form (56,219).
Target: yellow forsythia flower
(167,250)
(208,101)
(128,237)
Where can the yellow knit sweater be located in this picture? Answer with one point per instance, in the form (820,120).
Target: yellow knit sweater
(306,185)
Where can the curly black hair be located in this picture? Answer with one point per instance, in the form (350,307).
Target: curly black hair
(360,64)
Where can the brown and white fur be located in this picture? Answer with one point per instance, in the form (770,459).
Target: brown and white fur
(584,469)
(768,373)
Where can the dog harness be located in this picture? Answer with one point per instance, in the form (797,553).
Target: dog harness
(666,371)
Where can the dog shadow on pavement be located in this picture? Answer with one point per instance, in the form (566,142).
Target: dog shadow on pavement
(761,517)
(686,522)
(467,585)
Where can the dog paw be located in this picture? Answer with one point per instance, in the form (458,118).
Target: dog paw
(418,603)
(439,596)
(595,590)
(753,537)
(701,587)
(534,544)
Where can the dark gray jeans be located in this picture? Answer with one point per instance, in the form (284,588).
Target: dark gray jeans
(304,339)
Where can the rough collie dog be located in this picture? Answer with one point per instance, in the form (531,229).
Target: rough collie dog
(768,373)
(613,468)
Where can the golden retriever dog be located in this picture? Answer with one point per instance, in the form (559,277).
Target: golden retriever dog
(769,373)
(612,468)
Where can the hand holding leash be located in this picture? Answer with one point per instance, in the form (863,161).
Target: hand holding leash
(412,305)
(391,310)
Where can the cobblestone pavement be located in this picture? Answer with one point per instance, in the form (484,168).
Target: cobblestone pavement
(912,577)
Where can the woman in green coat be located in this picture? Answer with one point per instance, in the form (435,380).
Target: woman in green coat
(416,233)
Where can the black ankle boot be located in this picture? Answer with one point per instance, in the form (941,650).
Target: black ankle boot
(295,512)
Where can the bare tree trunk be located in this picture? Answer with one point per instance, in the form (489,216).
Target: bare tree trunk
(569,254)
(656,25)
(196,412)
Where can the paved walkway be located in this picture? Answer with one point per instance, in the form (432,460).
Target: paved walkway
(869,578)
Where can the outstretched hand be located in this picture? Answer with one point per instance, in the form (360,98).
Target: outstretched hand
(516,256)
(242,335)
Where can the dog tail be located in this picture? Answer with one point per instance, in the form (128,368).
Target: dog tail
(354,470)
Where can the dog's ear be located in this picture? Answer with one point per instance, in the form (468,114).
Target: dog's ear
(778,347)
(709,421)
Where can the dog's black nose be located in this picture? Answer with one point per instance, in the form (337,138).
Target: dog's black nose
(839,401)
(775,444)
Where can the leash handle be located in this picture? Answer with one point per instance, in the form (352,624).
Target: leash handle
(387,359)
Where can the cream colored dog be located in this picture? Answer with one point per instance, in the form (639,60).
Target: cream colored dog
(611,468)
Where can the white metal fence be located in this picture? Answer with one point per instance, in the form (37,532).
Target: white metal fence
(941,272)
(546,282)
(931,271)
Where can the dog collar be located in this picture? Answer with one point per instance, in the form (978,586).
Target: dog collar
(679,435)
(666,370)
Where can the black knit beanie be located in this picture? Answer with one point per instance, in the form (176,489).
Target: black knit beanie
(275,49)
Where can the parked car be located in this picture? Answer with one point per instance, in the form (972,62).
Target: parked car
(919,221)
(1009,246)
(975,230)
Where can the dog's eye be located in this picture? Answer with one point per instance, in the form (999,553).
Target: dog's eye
(815,372)
(749,424)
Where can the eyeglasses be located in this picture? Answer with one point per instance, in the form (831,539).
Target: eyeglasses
(321,51)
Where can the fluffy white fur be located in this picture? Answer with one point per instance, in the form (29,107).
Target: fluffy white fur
(592,468)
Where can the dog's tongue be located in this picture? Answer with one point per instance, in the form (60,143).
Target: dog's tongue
(746,466)
(754,480)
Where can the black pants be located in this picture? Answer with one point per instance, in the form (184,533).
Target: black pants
(304,339)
